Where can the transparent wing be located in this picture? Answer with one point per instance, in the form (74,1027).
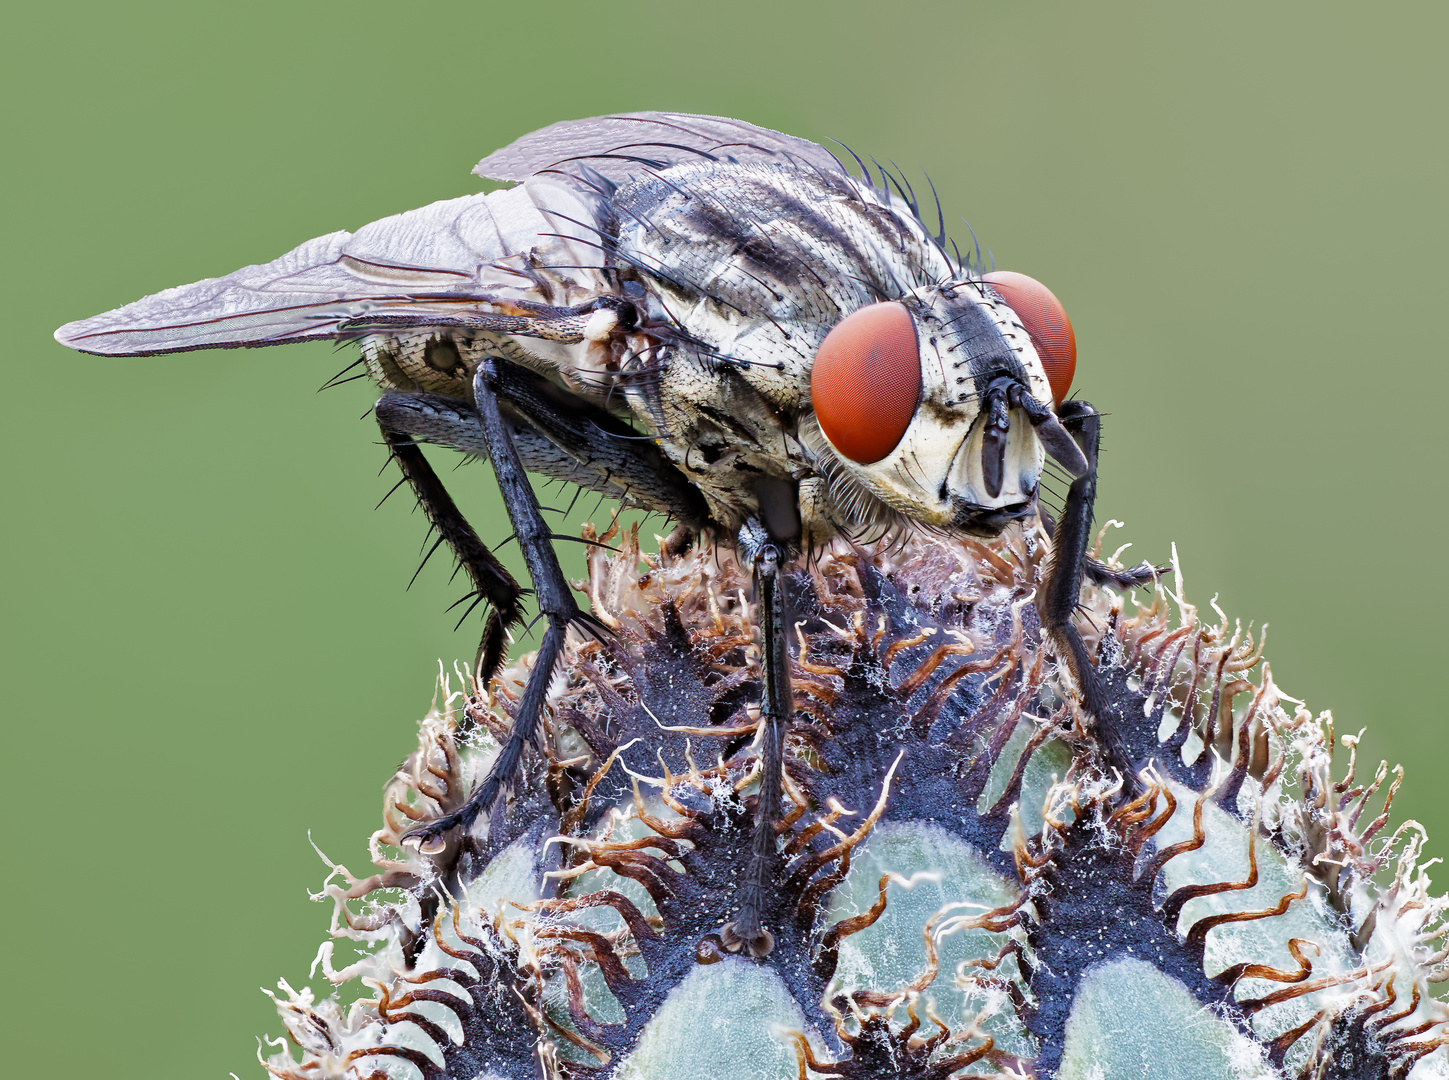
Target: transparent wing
(474,251)
(621,146)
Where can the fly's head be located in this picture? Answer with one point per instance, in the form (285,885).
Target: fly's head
(932,404)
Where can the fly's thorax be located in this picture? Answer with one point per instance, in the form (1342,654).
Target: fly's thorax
(758,261)
(929,467)
(746,269)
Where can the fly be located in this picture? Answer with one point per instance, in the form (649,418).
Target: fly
(799,352)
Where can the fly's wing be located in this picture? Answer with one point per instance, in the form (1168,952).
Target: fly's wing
(622,146)
(471,252)
(477,252)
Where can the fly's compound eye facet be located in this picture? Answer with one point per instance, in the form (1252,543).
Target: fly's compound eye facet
(866,381)
(1046,321)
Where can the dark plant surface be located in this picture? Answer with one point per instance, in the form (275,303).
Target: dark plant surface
(968,888)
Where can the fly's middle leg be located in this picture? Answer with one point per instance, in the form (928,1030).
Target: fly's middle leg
(748,930)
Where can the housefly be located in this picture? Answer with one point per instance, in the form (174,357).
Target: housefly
(698,317)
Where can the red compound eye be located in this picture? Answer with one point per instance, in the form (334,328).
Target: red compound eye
(1046,321)
(866,381)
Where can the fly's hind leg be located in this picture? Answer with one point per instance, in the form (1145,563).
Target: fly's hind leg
(555,603)
(492,583)
(1062,589)
(539,427)
(767,557)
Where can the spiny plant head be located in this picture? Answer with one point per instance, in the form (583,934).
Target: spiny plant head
(968,889)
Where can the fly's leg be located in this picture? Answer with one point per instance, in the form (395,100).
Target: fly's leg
(535,427)
(555,602)
(767,557)
(1099,573)
(1061,591)
(1064,438)
(560,435)
(491,580)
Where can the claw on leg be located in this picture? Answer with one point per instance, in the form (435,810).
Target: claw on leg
(748,930)
(1131,578)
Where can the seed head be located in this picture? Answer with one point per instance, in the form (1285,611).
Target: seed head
(967,888)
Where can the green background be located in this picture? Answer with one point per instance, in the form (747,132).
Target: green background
(208,647)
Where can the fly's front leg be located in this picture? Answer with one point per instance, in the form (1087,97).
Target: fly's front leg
(1062,444)
(767,557)
(555,602)
(1062,589)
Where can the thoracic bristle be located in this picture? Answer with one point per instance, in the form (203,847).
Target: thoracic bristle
(966,889)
